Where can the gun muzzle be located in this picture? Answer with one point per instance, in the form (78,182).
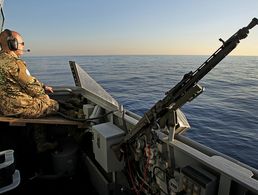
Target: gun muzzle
(252,23)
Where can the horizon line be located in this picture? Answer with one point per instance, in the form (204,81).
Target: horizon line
(63,55)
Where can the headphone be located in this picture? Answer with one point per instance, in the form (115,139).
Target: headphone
(11,41)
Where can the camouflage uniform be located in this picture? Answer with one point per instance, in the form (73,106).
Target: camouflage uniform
(21,94)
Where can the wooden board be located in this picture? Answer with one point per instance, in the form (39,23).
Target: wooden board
(55,120)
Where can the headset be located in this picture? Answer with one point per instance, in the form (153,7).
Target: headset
(11,41)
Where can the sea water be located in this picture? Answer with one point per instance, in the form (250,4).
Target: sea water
(224,117)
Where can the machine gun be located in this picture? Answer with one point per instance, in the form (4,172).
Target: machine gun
(186,90)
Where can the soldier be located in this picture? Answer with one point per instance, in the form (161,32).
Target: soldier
(21,94)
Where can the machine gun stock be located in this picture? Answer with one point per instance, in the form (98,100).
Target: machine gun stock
(187,89)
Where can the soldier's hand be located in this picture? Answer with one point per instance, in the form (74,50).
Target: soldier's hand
(48,89)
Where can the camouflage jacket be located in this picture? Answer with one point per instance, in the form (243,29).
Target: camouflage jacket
(22,94)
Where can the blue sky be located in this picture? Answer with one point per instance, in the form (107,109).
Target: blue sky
(117,27)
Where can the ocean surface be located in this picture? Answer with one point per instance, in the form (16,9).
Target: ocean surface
(224,117)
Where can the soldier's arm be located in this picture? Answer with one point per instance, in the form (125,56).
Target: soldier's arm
(29,83)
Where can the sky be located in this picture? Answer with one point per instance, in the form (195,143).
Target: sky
(131,27)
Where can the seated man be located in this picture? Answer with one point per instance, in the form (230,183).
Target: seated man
(21,94)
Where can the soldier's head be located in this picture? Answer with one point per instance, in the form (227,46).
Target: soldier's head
(11,41)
